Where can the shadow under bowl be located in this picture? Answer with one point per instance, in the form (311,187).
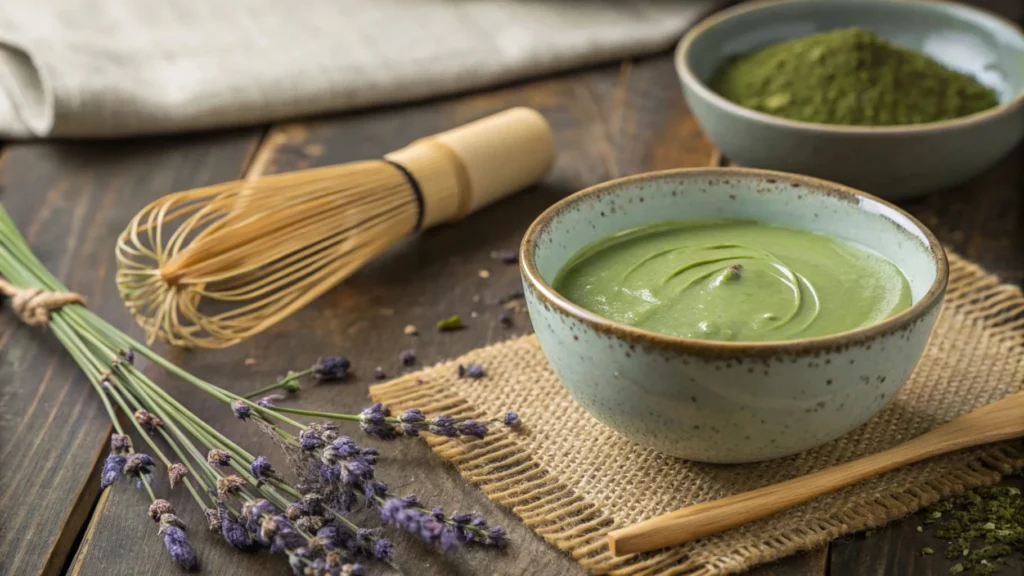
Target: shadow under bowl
(894,162)
(729,402)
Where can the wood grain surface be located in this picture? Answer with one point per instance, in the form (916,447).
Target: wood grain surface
(72,201)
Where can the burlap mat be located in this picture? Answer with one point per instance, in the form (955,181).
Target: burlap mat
(572,480)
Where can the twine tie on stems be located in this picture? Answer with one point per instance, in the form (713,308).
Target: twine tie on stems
(33,305)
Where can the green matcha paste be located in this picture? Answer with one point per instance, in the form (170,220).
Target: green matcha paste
(852,77)
(733,280)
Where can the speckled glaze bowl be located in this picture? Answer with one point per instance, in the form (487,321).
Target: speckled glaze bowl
(895,162)
(729,402)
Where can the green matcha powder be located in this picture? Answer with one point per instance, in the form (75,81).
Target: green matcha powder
(852,77)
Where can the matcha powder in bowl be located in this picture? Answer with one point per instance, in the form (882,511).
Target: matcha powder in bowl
(851,77)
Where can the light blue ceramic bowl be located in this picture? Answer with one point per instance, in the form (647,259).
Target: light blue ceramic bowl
(729,401)
(893,162)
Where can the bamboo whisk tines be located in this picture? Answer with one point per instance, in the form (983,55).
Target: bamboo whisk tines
(212,266)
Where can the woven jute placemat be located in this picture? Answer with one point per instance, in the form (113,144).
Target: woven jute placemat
(572,480)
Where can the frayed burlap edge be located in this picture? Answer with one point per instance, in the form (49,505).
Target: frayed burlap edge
(504,469)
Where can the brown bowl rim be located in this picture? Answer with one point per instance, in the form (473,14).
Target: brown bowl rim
(690,79)
(817,344)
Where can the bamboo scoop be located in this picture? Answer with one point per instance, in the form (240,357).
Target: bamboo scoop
(1001,420)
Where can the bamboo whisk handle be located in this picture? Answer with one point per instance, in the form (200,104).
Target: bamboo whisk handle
(469,167)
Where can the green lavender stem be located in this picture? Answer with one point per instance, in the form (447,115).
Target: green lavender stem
(291,377)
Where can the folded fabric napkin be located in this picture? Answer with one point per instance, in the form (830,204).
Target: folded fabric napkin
(106,68)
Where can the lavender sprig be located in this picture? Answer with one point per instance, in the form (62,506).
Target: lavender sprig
(434,527)
(177,544)
(376,420)
(240,494)
(326,369)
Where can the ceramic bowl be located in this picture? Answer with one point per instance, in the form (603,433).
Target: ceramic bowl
(895,162)
(729,402)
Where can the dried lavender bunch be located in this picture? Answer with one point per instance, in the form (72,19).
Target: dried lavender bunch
(243,498)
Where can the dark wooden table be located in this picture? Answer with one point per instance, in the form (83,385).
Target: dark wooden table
(73,199)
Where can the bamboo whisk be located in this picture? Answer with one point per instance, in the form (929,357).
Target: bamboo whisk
(250,253)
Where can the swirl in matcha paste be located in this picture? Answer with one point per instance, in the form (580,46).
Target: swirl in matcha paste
(734,280)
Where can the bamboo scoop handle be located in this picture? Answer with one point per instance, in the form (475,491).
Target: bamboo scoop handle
(1001,420)
(469,167)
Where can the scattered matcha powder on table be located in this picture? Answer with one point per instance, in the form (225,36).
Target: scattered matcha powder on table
(982,528)
(853,77)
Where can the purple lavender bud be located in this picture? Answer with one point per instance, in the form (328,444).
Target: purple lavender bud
(382,431)
(443,426)
(355,569)
(112,468)
(412,416)
(268,400)
(382,549)
(345,500)
(465,534)
(369,455)
(297,558)
(471,428)
(261,468)
(330,473)
(410,430)
(373,414)
(390,510)
(475,371)
(287,540)
(259,509)
(373,422)
(129,356)
(331,368)
(329,534)
(438,514)
(430,529)
(460,371)
(359,470)
(496,537)
(511,419)
(462,518)
(374,488)
(407,357)
(346,447)
(411,500)
(179,548)
(120,443)
(478,521)
(138,464)
(310,440)
(505,320)
(378,373)
(232,531)
(448,540)
(241,409)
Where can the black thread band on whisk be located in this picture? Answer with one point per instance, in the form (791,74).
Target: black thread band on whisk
(416,191)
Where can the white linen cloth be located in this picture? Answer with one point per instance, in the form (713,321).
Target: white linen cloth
(109,68)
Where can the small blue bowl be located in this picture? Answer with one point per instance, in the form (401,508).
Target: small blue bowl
(729,402)
(894,162)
